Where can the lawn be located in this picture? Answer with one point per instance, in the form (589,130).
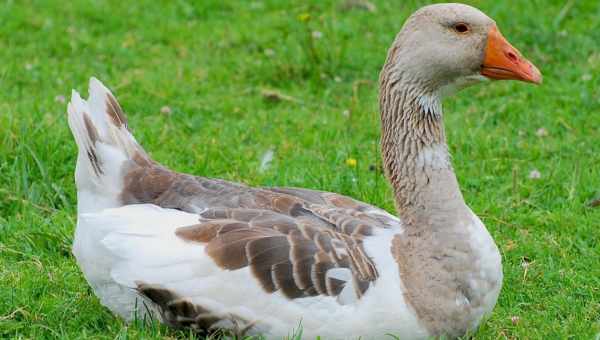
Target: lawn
(211,87)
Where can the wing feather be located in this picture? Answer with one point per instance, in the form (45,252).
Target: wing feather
(289,238)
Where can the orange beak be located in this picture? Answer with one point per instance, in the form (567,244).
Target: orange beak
(502,61)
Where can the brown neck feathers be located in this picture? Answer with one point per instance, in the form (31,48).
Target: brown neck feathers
(413,146)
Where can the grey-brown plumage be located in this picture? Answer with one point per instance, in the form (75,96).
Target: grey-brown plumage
(288,237)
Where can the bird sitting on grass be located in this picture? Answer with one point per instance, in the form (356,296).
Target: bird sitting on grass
(210,254)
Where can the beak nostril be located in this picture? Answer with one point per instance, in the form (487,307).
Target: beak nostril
(512,56)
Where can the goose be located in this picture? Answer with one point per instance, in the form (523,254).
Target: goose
(208,254)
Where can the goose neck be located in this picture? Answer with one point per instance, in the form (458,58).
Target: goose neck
(415,154)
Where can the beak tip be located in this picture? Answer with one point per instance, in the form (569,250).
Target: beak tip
(536,77)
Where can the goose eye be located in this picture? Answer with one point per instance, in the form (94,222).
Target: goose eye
(461,27)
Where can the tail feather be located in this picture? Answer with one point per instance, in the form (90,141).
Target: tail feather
(84,131)
(104,103)
(99,127)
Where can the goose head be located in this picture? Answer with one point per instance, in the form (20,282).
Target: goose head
(440,49)
(445,47)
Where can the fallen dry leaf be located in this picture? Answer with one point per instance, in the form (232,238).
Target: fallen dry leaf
(276,96)
(594,203)
(510,245)
(358,4)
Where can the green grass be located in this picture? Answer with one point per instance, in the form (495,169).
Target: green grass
(212,62)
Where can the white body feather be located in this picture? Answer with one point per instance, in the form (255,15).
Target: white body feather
(118,247)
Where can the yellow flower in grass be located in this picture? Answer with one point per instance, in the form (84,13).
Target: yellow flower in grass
(351,162)
(304,17)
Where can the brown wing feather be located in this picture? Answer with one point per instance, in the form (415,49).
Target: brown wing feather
(182,313)
(349,205)
(290,238)
(283,254)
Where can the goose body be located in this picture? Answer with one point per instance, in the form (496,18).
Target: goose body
(211,254)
